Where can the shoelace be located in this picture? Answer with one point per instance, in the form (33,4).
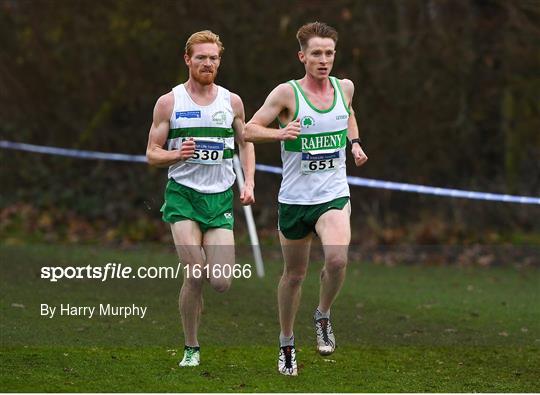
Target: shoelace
(323,324)
(190,352)
(288,357)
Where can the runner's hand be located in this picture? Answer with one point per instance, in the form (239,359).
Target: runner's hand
(291,131)
(187,149)
(358,154)
(247,195)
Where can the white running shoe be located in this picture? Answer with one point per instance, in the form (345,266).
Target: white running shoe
(192,357)
(326,341)
(287,361)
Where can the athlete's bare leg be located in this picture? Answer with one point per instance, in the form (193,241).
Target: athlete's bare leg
(219,248)
(296,257)
(187,239)
(334,230)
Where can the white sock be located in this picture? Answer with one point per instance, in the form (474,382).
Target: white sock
(321,314)
(285,340)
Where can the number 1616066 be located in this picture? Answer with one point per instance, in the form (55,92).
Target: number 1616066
(226,271)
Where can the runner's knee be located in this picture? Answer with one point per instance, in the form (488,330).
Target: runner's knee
(335,263)
(294,279)
(193,282)
(220,284)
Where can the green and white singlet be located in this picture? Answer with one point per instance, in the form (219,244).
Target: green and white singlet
(314,164)
(210,170)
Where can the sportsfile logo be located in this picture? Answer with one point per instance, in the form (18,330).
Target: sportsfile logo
(110,271)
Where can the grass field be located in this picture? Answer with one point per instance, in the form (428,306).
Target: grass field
(399,329)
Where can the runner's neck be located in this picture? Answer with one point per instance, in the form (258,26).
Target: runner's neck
(201,94)
(315,86)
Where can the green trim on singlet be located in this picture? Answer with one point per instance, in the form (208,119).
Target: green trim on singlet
(296,145)
(338,85)
(228,153)
(281,126)
(311,105)
(200,132)
(296,101)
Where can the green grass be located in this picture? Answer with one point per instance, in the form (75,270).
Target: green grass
(252,368)
(399,329)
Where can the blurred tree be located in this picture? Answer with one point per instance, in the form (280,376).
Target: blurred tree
(447,92)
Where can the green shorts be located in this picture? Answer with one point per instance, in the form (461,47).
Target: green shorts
(209,210)
(296,221)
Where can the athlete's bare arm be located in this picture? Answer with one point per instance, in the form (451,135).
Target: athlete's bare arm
(155,154)
(352,128)
(247,151)
(280,102)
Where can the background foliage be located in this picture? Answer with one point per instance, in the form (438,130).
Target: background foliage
(447,94)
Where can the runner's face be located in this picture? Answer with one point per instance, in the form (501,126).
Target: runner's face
(318,57)
(203,63)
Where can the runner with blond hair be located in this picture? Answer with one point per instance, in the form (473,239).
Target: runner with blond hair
(193,133)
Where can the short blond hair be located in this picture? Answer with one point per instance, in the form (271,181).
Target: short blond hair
(203,37)
(315,29)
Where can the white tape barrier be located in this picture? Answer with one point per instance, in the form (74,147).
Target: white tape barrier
(74,153)
(358,181)
(423,189)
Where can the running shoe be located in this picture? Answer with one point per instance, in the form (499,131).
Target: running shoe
(287,361)
(192,356)
(326,341)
